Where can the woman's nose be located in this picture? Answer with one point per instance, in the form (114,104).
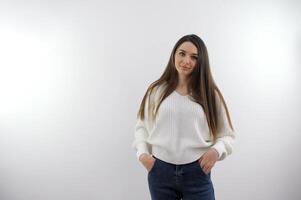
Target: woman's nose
(186,60)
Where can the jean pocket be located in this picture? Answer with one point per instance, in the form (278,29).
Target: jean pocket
(200,167)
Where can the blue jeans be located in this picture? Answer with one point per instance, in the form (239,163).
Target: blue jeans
(168,181)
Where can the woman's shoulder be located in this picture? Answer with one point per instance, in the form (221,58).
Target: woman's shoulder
(157,90)
(161,87)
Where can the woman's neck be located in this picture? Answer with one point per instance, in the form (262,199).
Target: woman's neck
(182,83)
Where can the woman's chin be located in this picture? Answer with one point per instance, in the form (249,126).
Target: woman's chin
(184,73)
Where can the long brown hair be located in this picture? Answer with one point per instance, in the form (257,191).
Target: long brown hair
(201,86)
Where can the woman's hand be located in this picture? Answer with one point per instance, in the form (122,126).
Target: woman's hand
(147,161)
(208,160)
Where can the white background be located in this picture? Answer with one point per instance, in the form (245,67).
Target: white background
(73,74)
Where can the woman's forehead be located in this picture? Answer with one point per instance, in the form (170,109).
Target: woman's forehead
(188,47)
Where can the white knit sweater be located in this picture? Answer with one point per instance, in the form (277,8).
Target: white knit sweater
(180,133)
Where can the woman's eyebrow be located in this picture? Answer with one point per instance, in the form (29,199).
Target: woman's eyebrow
(195,54)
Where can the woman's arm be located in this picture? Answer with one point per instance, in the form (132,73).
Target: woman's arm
(143,127)
(225,135)
(141,135)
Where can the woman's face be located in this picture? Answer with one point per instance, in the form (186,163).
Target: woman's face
(186,58)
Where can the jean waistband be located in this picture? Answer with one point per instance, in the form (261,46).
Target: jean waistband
(191,163)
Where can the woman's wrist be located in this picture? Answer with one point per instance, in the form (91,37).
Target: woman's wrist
(142,156)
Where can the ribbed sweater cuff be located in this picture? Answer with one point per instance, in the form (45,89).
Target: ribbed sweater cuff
(220,148)
(141,148)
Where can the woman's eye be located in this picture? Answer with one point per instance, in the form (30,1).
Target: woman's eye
(195,58)
(181,53)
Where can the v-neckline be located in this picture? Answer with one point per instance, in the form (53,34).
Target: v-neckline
(181,94)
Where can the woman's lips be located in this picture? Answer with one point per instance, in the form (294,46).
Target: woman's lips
(185,68)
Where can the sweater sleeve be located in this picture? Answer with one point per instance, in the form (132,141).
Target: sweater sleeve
(225,135)
(141,135)
(143,127)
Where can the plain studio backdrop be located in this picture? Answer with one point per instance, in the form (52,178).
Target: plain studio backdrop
(73,74)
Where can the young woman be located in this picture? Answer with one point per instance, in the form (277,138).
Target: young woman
(183,126)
